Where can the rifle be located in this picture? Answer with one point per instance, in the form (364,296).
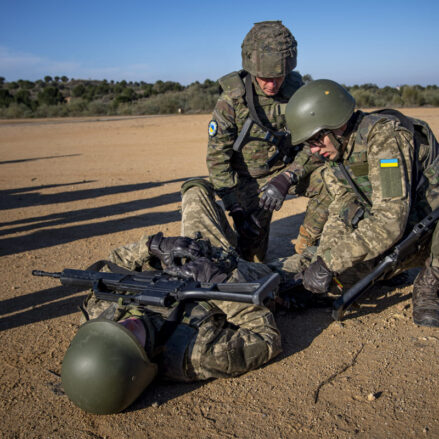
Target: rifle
(412,243)
(160,289)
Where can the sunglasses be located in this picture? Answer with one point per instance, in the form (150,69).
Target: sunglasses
(317,139)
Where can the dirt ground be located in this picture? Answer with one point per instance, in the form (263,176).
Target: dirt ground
(71,190)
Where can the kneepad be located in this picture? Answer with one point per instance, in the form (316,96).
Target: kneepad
(198,182)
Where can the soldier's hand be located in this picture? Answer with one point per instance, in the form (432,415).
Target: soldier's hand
(317,277)
(275,191)
(246,225)
(202,270)
(170,250)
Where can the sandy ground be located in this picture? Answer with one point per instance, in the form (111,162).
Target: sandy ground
(71,190)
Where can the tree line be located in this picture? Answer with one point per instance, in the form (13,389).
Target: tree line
(61,97)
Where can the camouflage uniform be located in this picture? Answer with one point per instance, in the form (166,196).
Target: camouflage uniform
(238,176)
(349,244)
(214,338)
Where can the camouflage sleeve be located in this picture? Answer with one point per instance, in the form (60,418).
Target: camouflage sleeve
(133,257)
(432,174)
(305,163)
(390,153)
(220,150)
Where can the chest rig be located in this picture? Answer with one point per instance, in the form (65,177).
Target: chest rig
(240,85)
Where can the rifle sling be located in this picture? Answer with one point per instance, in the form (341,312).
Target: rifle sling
(114,268)
(352,183)
(250,99)
(271,136)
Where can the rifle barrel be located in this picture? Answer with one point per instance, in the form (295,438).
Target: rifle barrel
(46,274)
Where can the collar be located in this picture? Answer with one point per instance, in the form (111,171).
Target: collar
(350,132)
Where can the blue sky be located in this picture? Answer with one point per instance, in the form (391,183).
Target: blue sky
(386,42)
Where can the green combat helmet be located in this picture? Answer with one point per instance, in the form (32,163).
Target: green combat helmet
(105,368)
(269,50)
(318,105)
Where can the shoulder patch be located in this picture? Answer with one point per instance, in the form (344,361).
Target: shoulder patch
(391,178)
(389,163)
(213,128)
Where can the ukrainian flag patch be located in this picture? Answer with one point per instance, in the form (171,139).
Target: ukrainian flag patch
(389,163)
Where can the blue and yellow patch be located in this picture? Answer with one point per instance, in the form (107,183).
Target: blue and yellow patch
(389,163)
(213,128)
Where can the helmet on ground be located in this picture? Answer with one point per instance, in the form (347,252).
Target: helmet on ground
(269,50)
(320,104)
(105,368)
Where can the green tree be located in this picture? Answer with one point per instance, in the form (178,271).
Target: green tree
(24,84)
(12,85)
(147,90)
(78,90)
(5,98)
(23,97)
(127,95)
(50,96)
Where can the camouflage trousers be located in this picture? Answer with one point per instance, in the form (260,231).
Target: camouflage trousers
(247,191)
(215,338)
(317,211)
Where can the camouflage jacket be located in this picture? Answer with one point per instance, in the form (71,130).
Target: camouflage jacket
(379,156)
(226,166)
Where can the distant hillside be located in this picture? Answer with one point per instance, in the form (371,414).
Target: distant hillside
(61,96)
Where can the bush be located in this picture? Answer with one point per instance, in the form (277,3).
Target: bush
(89,97)
(5,98)
(78,90)
(50,96)
(15,111)
(23,97)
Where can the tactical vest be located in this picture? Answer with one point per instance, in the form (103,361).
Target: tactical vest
(357,167)
(259,146)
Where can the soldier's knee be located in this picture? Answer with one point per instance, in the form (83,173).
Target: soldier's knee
(199,183)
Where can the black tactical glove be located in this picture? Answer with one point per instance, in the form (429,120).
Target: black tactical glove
(275,191)
(170,250)
(317,277)
(247,225)
(202,270)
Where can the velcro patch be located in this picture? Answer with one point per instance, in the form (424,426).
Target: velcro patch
(391,180)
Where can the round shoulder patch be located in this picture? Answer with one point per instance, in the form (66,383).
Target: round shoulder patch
(213,128)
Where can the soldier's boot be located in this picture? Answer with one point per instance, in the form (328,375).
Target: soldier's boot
(425,297)
(304,240)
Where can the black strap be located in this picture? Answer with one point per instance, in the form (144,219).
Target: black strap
(169,326)
(352,183)
(271,136)
(250,99)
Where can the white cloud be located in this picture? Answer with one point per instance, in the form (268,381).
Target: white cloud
(21,65)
